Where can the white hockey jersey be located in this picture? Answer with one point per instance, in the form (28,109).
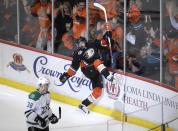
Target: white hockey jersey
(38,104)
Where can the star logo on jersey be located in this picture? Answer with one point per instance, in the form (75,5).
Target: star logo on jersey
(17,64)
(32,96)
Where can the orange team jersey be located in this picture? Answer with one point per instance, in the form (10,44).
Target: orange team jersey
(173,50)
(111,9)
(81,13)
(78,28)
(42,11)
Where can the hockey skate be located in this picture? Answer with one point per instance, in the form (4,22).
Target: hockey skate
(83,108)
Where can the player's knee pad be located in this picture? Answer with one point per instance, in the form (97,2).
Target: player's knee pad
(97,92)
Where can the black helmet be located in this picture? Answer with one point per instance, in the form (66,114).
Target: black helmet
(81,42)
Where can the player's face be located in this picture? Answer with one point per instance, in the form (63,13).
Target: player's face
(44,88)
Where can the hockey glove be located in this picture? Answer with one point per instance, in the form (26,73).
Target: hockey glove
(64,77)
(107,35)
(40,121)
(110,77)
(53,119)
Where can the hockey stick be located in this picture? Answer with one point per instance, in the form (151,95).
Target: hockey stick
(106,20)
(103,9)
(59,113)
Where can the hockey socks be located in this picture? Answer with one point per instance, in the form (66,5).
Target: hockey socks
(86,102)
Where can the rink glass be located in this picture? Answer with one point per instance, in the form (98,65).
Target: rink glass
(149,38)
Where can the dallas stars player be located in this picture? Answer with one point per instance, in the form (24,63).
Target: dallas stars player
(38,112)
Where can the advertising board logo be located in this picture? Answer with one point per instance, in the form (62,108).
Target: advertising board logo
(17,63)
(113,90)
(41,66)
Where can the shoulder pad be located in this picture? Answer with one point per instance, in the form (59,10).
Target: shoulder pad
(34,95)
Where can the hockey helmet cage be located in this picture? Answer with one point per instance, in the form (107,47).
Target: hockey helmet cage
(43,81)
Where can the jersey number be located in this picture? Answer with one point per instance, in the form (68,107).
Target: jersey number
(30,105)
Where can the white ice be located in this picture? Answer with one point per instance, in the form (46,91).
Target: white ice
(12,118)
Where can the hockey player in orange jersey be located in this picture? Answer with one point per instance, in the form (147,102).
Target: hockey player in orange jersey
(87,58)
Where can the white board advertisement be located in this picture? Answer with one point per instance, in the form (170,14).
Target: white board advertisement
(1,55)
(26,66)
(135,97)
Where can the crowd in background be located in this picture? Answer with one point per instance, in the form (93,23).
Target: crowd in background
(70,23)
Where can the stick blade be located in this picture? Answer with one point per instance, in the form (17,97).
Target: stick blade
(99,6)
(102,8)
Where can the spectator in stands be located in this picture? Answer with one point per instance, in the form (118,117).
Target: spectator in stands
(43,10)
(117,48)
(173,14)
(79,21)
(172,64)
(67,45)
(136,36)
(63,22)
(8,12)
(133,65)
(29,32)
(170,44)
(27,5)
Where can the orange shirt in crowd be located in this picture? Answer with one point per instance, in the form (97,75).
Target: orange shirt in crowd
(173,50)
(42,10)
(111,9)
(78,28)
(134,14)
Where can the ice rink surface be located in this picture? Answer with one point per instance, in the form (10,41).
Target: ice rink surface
(12,116)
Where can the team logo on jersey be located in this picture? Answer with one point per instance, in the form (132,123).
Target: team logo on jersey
(89,53)
(32,96)
(16,64)
(113,90)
